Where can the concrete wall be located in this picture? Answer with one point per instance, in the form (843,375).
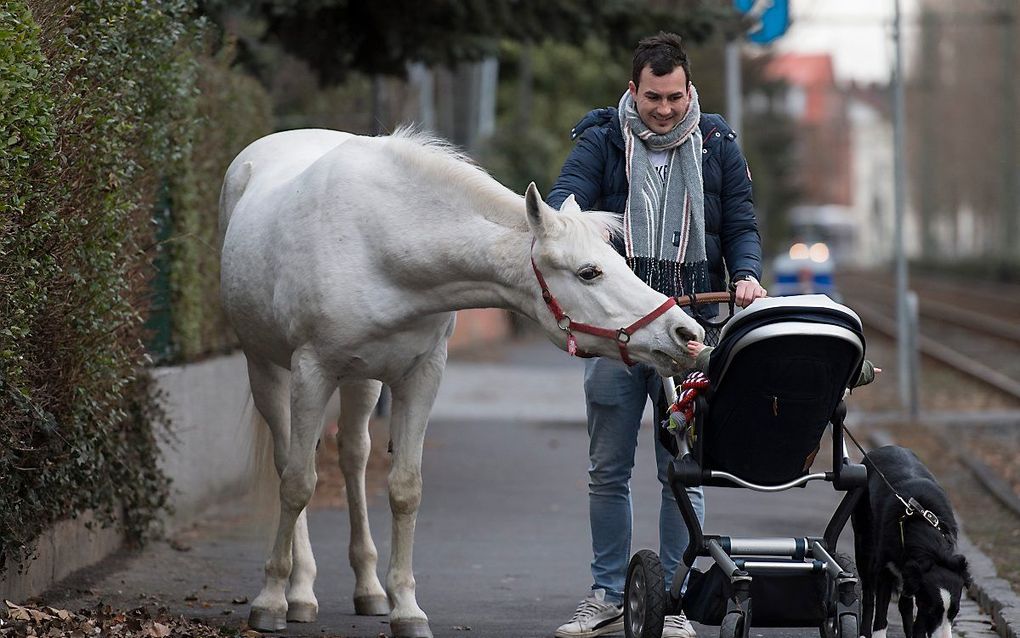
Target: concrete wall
(210,410)
(65,547)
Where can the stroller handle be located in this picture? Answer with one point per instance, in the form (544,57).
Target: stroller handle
(706,297)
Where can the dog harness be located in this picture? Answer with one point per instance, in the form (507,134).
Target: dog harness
(912,508)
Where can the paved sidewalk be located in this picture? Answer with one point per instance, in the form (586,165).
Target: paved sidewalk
(502,544)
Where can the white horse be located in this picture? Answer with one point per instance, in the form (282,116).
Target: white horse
(344,259)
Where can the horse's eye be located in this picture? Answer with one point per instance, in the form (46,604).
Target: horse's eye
(589,272)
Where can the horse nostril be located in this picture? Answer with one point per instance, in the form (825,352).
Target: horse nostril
(685,335)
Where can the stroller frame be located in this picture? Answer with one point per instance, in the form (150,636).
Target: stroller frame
(742,559)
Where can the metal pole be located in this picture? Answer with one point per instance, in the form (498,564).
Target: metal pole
(930,160)
(1010,206)
(488,85)
(421,77)
(899,176)
(734,106)
(914,364)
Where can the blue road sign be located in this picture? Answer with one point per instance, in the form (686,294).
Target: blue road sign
(772,17)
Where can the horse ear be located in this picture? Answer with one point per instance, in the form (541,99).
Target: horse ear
(570,205)
(538,217)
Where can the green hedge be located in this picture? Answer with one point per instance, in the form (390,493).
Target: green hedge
(231,110)
(100,111)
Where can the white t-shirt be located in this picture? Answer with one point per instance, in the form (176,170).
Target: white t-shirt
(659,161)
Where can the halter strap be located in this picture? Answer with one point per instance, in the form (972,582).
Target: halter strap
(568,325)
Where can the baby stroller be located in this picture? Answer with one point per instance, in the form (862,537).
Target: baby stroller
(777,379)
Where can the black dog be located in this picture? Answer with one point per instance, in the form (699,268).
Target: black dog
(897,550)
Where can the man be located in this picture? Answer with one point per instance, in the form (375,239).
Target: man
(684,189)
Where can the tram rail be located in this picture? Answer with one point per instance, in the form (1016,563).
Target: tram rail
(982,344)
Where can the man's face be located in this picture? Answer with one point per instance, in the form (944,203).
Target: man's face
(661,100)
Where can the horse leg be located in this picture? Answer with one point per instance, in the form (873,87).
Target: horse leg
(302,606)
(357,400)
(412,400)
(309,392)
(271,392)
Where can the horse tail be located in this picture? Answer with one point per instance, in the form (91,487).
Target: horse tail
(264,486)
(234,183)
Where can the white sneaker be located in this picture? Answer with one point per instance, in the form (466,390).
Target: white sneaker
(678,627)
(594,617)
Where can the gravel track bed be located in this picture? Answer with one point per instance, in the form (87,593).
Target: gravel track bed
(1000,354)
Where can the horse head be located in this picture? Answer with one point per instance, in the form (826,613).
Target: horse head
(591,284)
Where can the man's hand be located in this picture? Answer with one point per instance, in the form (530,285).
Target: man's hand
(748,290)
(694,348)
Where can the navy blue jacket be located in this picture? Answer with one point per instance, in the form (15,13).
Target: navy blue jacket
(595,174)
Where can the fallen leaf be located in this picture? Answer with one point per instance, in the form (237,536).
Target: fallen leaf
(18,613)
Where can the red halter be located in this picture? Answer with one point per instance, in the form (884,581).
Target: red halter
(568,325)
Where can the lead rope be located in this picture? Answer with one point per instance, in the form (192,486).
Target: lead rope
(910,504)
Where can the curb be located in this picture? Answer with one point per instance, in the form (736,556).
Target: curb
(993,594)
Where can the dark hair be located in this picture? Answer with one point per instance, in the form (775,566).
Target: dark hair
(664,52)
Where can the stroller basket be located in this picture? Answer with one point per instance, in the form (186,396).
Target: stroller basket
(799,600)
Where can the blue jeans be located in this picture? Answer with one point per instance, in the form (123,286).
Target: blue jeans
(615,396)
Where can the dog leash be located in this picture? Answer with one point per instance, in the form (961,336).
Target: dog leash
(910,504)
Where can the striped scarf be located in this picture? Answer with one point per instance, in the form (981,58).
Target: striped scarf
(664,221)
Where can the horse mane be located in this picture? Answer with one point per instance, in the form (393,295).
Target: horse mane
(495,202)
(597,221)
(445,163)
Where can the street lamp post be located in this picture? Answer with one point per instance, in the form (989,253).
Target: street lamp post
(906,301)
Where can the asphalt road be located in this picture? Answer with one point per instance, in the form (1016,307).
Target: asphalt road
(502,545)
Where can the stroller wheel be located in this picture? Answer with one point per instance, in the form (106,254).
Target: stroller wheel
(848,626)
(644,598)
(734,625)
(844,625)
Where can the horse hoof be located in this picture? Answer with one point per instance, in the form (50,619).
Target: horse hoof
(265,620)
(302,612)
(371,606)
(416,628)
